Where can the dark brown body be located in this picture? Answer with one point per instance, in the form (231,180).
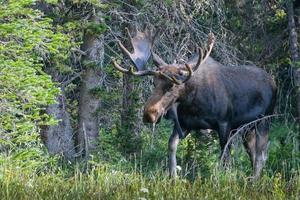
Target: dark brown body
(216,94)
(224,98)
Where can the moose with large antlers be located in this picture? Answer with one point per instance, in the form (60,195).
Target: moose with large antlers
(204,94)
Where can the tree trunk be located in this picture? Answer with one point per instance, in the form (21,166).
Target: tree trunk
(59,138)
(294,55)
(91,81)
(293,32)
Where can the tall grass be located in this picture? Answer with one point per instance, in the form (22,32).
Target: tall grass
(110,175)
(106,183)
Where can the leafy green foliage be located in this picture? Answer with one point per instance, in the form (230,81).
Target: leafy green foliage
(27,42)
(96,28)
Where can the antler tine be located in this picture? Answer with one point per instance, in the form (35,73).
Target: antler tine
(135,73)
(158,60)
(118,67)
(124,49)
(128,33)
(210,44)
(189,69)
(170,78)
(200,58)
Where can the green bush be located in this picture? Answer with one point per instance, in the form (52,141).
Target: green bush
(27,42)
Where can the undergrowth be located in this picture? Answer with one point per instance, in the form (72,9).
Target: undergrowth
(109,174)
(102,182)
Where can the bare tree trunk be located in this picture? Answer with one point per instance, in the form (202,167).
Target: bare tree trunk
(91,80)
(293,32)
(59,138)
(87,136)
(295,56)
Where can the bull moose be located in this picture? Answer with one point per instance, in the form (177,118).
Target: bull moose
(204,94)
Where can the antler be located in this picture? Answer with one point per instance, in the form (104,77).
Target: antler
(210,44)
(201,59)
(142,48)
(153,73)
(142,44)
(135,73)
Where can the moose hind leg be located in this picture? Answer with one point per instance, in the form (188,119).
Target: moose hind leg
(262,137)
(173,143)
(249,141)
(224,131)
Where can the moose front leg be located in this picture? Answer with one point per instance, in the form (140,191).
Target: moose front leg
(172,114)
(173,143)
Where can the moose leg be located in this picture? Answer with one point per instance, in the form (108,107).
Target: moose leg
(173,142)
(261,143)
(176,121)
(172,114)
(224,131)
(249,141)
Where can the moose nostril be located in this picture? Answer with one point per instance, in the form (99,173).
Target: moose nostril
(150,117)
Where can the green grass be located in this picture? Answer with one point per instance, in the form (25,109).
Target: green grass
(106,183)
(111,175)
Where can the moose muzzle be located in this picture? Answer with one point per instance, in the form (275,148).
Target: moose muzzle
(152,114)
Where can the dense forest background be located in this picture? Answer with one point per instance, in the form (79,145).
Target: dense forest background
(70,124)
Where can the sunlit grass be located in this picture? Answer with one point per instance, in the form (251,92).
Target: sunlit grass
(106,183)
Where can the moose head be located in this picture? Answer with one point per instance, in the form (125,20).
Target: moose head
(169,79)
